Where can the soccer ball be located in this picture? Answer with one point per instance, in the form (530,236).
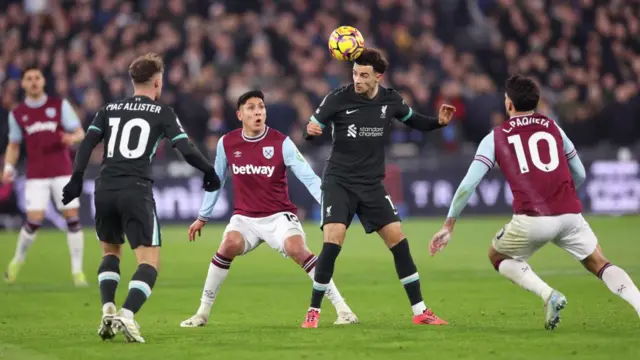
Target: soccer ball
(346,43)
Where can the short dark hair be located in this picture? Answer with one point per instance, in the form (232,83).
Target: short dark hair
(29,68)
(248,95)
(373,58)
(143,68)
(523,92)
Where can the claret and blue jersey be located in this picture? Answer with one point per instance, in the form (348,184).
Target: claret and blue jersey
(258,170)
(539,162)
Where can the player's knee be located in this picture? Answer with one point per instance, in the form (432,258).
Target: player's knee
(73,224)
(70,213)
(232,244)
(34,220)
(295,248)
(73,220)
(31,226)
(391,234)
(496,258)
(111,249)
(149,255)
(334,233)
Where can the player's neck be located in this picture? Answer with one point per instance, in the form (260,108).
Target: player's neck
(35,101)
(521,113)
(371,94)
(140,92)
(253,134)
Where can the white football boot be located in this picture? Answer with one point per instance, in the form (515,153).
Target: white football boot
(106,331)
(196,320)
(346,318)
(129,327)
(552,307)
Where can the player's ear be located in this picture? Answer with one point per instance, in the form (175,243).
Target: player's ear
(239,114)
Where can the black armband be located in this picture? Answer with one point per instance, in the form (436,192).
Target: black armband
(83,155)
(193,156)
(422,122)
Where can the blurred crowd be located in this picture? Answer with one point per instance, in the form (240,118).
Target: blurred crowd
(584,53)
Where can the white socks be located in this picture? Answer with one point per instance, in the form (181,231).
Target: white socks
(25,240)
(621,284)
(419,308)
(333,294)
(75,240)
(521,273)
(218,270)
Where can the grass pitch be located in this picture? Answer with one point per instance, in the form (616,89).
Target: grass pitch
(262,304)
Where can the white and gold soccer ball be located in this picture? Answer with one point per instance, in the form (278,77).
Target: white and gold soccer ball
(346,43)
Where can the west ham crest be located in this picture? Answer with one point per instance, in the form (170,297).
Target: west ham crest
(50,112)
(267,151)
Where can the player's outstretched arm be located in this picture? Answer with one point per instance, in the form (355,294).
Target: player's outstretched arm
(415,120)
(482,163)
(175,133)
(12,152)
(301,168)
(192,155)
(195,158)
(95,134)
(210,198)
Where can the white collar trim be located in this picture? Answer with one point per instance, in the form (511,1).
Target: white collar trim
(527,114)
(36,103)
(255,138)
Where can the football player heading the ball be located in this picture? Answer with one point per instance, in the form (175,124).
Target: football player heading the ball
(360,115)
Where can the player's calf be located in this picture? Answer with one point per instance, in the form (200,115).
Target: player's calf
(232,245)
(520,273)
(296,248)
(26,238)
(143,279)
(407,271)
(334,234)
(616,279)
(75,240)
(108,280)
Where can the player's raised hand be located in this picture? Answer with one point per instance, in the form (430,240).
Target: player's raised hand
(313,129)
(439,241)
(195,228)
(446,114)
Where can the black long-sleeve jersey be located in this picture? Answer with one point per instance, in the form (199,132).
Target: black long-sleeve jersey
(359,127)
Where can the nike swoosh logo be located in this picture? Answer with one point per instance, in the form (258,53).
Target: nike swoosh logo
(351,111)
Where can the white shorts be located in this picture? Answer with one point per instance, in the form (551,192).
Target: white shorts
(273,230)
(38,193)
(524,235)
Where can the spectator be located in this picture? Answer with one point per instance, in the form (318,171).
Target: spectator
(585,54)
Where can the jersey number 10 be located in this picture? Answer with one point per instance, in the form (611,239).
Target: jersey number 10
(125,151)
(534,154)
